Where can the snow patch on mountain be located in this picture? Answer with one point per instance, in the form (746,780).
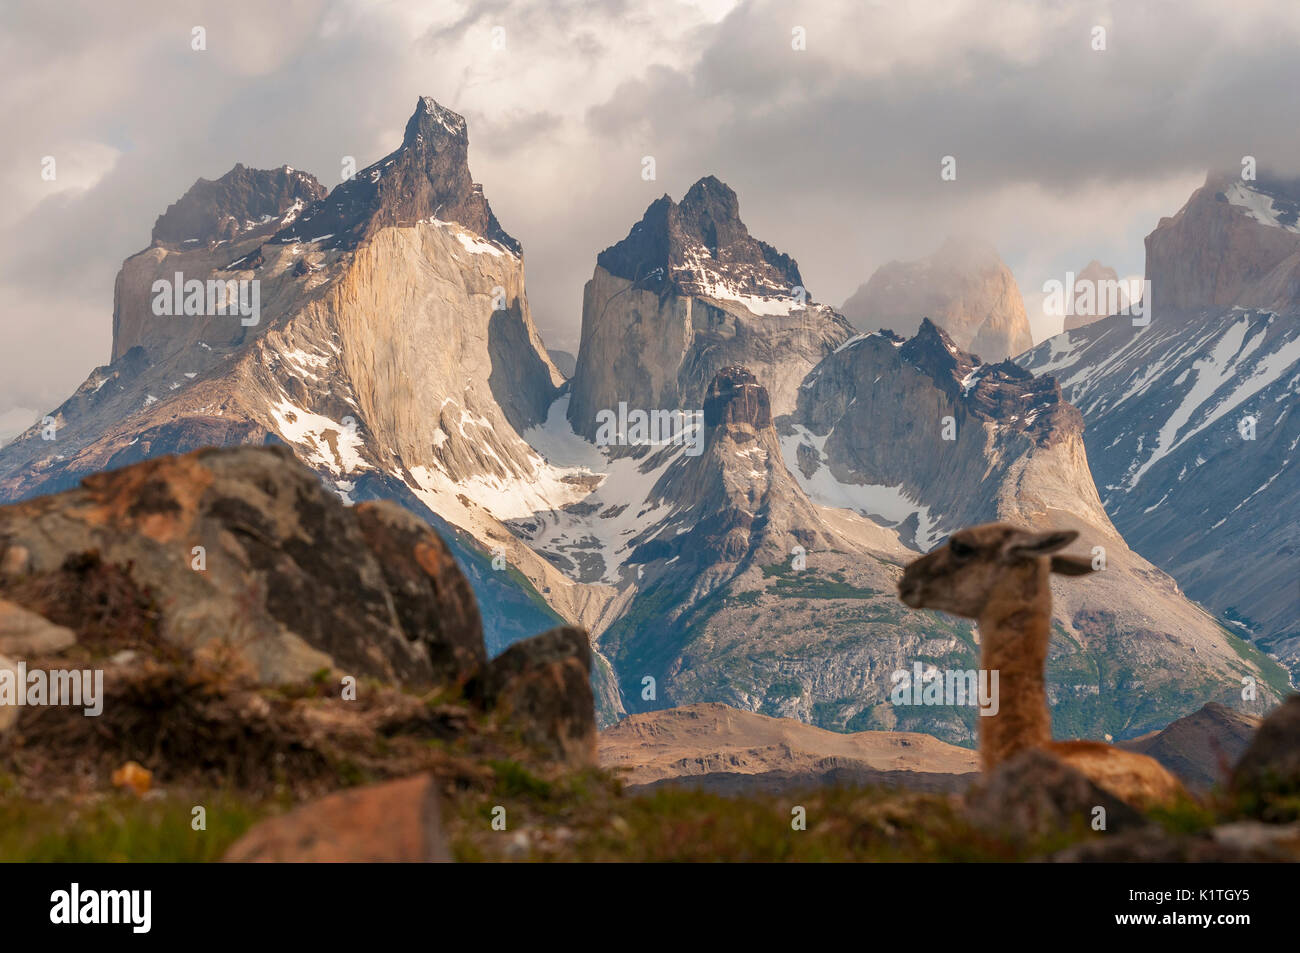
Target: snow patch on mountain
(1259,205)
(891,506)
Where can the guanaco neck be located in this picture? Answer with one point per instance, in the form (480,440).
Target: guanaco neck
(1015,628)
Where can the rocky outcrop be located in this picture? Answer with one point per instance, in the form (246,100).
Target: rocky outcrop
(964,288)
(244,553)
(390,823)
(426,179)
(688,292)
(903,425)
(242,200)
(543,685)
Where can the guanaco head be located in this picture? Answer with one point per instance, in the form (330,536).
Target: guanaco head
(963,574)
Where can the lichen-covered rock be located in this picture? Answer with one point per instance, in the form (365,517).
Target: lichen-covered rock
(543,685)
(243,551)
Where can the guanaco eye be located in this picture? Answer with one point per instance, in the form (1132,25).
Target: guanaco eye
(959,549)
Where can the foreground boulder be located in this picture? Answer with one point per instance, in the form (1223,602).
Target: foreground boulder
(244,553)
(1036,794)
(1267,778)
(395,822)
(543,685)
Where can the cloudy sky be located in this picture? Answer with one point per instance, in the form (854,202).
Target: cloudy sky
(1064,153)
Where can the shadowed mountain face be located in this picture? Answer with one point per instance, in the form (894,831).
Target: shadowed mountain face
(1202,747)
(241,200)
(1191,423)
(426,178)
(698,244)
(747,555)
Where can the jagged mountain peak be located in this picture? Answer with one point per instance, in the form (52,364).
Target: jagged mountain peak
(701,246)
(426,178)
(432,121)
(242,200)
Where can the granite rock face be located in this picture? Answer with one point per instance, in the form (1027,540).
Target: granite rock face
(243,552)
(396,357)
(688,292)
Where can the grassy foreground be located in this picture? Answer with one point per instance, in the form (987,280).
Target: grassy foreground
(572,817)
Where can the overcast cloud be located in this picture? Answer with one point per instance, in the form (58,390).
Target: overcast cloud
(1063,153)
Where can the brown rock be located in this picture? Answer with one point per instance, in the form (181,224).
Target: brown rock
(543,685)
(394,822)
(25,633)
(432,597)
(1036,794)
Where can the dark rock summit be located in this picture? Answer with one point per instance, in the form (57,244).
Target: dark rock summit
(241,200)
(427,177)
(688,241)
(736,397)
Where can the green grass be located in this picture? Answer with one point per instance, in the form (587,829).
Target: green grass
(121,828)
(1275,676)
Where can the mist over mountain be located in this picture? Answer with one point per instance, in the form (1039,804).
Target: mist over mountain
(964,288)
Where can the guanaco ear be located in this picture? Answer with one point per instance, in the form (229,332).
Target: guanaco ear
(1028,545)
(1071,565)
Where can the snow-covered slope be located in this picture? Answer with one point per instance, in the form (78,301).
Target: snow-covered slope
(1193,430)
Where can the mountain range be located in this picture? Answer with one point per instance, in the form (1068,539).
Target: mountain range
(1191,423)
(725,487)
